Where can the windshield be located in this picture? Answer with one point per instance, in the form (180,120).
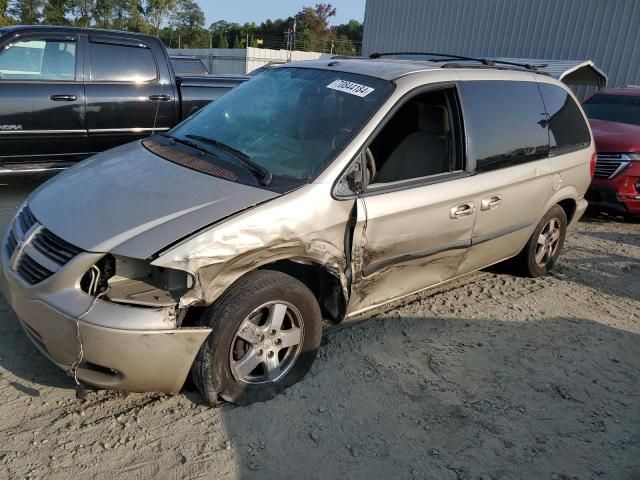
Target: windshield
(289,121)
(614,108)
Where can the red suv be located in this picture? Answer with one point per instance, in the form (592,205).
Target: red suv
(614,114)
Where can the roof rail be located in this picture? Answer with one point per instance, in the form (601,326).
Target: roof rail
(489,62)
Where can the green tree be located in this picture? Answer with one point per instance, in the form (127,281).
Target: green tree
(156,12)
(4,15)
(237,42)
(27,12)
(82,11)
(222,41)
(351,30)
(103,13)
(55,12)
(188,19)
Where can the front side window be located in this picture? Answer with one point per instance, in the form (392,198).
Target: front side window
(419,140)
(567,127)
(121,63)
(290,121)
(38,59)
(505,123)
(614,108)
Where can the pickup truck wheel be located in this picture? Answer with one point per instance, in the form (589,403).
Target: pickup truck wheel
(543,248)
(266,331)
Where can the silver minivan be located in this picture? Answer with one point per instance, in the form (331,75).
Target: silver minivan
(315,192)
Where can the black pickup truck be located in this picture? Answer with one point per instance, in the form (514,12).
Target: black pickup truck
(67,93)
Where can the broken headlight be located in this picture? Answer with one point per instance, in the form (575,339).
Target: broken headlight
(135,282)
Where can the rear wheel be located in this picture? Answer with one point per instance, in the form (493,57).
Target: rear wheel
(266,330)
(543,248)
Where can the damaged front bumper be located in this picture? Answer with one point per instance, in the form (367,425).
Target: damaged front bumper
(123,347)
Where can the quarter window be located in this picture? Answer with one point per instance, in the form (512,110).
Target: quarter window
(505,123)
(567,128)
(121,63)
(38,59)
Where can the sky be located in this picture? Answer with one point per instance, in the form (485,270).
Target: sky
(242,11)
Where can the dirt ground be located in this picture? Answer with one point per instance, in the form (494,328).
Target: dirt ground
(490,377)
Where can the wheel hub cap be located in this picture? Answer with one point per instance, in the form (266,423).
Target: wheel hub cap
(267,344)
(548,241)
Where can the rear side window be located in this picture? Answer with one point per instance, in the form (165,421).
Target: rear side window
(505,123)
(121,63)
(188,67)
(567,128)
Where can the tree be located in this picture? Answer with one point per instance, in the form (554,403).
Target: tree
(222,41)
(317,18)
(237,42)
(82,11)
(4,17)
(156,11)
(55,12)
(188,19)
(351,30)
(103,13)
(27,12)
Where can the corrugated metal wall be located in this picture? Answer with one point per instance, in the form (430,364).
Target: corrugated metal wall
(606,31)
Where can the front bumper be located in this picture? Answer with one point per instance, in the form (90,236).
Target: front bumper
(124,347)
(619,193)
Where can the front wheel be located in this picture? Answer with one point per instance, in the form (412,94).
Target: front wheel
(543,248)
(266,331)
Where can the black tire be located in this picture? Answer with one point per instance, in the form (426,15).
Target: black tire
(212,372)
(527,258)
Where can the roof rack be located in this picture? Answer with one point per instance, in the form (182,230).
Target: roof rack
(445,57)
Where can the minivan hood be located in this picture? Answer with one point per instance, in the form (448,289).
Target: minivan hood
(613,137)
(131,202)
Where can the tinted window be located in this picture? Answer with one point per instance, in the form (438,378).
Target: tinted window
(188,67)
(614,108)
(505,123)
(567,127)
(38,60)
(289,120)
(121,63)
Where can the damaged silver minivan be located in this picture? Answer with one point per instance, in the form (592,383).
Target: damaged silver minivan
(314,192)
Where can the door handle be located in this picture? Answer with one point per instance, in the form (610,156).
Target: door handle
(159,98)
(462,210)
(491,202)
(63,98)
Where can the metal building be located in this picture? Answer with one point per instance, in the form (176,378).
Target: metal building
(605,31)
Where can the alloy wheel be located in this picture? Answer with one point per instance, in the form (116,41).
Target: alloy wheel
(548,241)
(267,343)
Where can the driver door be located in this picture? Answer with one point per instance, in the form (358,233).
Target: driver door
(413,231)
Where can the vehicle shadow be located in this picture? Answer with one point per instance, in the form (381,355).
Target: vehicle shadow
(450,398)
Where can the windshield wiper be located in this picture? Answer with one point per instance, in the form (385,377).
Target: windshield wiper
(263,174)
(185,142)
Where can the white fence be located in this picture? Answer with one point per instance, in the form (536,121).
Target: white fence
(244,60)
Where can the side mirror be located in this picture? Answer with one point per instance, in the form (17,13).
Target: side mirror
(352,181)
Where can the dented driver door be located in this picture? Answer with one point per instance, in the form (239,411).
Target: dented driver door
(408,239)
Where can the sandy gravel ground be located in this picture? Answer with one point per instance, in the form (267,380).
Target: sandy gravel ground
(491,377)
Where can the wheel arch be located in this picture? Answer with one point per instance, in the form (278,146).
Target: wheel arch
(325,286)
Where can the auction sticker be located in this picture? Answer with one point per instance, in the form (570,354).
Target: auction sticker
(350,87)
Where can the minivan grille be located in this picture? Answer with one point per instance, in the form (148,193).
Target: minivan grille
(54,247)
(47,252)
(610,164)
(31,270)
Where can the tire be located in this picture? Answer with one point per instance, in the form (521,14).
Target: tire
(258,302)
(542,264)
